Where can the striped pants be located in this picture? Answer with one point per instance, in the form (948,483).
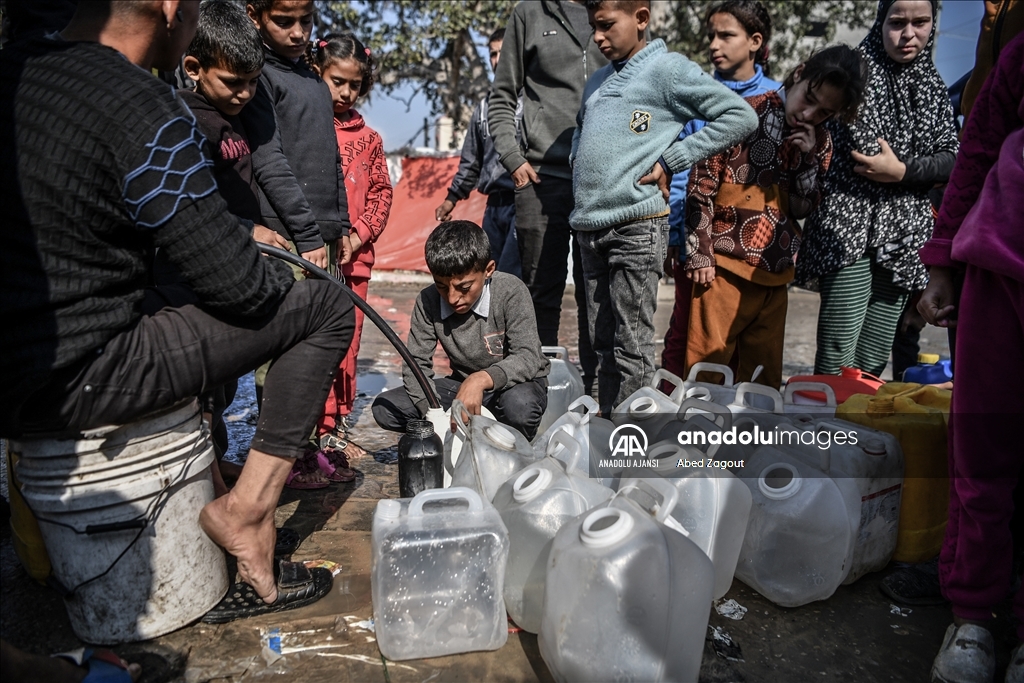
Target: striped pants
(860,308)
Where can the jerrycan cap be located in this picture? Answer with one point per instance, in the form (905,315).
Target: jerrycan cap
(531,483)
(779,481)
(853,373)
(605,527)
(500,437)
(643,407)
(927,358)
(873,446)
(389,509)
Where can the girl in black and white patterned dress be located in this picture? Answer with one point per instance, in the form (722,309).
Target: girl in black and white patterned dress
(860,246)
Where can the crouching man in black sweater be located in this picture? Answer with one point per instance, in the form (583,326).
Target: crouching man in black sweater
(100,163)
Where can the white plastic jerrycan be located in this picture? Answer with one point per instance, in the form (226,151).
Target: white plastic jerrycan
(437,575)
(794,404)
(534,504)
(491,453)
(648,407)
(627,598)
(453,440)
(871,461)
(565,385)
(799,541)
(713,507)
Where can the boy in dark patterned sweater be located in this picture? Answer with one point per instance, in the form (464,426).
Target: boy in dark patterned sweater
(742,207)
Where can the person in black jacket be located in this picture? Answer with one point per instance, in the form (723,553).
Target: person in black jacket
(99,164)
(479,167)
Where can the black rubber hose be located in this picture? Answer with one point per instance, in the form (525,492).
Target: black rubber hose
(421,379)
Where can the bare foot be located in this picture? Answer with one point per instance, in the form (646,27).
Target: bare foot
(249,537)
(242,522)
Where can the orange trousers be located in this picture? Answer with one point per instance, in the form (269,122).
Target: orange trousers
(342,395)
(735,315)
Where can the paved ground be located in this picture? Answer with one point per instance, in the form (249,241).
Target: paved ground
(852,636)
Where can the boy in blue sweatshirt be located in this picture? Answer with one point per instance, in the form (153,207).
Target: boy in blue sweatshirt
(624,151)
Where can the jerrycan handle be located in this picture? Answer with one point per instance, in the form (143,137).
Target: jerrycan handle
(793,387)
(708,407)
(663,375)
(666,489)
(724,370)
(435,495)
(562,438)
(555,352)
(589,406)
(746,388)
(458,408)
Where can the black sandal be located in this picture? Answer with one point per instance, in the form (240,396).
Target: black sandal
(297,586)
(288,541)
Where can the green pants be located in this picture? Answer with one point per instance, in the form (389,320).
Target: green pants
(860,308)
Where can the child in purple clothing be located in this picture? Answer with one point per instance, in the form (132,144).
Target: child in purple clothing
(979,231)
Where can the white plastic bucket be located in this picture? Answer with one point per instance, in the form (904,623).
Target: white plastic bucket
(155,570)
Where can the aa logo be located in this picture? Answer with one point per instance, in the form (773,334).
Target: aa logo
(628,441)
(641,122)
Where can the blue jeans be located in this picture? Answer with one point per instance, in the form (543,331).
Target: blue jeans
(622,266)
(500,226)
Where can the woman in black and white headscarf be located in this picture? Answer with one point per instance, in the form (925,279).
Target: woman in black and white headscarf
(860,246)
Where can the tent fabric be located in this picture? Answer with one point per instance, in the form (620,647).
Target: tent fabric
(421,189)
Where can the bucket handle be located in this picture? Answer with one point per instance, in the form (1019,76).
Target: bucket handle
(793,387)
(454,493)
(707,407)
(724,370)
(562,438)
(663,375)
(746,388)
(666,489)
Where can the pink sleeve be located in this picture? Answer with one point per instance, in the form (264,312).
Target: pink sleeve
(998,112)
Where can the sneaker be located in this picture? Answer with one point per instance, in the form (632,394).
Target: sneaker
(967,656)
(1015,672)
(914,584)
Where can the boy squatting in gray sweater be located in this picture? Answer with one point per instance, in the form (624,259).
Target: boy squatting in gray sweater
(499,335)
(629,122)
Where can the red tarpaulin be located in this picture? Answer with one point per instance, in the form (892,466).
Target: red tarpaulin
(423,186)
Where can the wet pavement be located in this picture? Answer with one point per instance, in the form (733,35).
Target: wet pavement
(855,635)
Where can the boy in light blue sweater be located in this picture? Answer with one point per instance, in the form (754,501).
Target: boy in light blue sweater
(624,151)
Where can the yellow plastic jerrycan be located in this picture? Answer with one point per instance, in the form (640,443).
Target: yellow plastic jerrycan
(918,417)
(28,541)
